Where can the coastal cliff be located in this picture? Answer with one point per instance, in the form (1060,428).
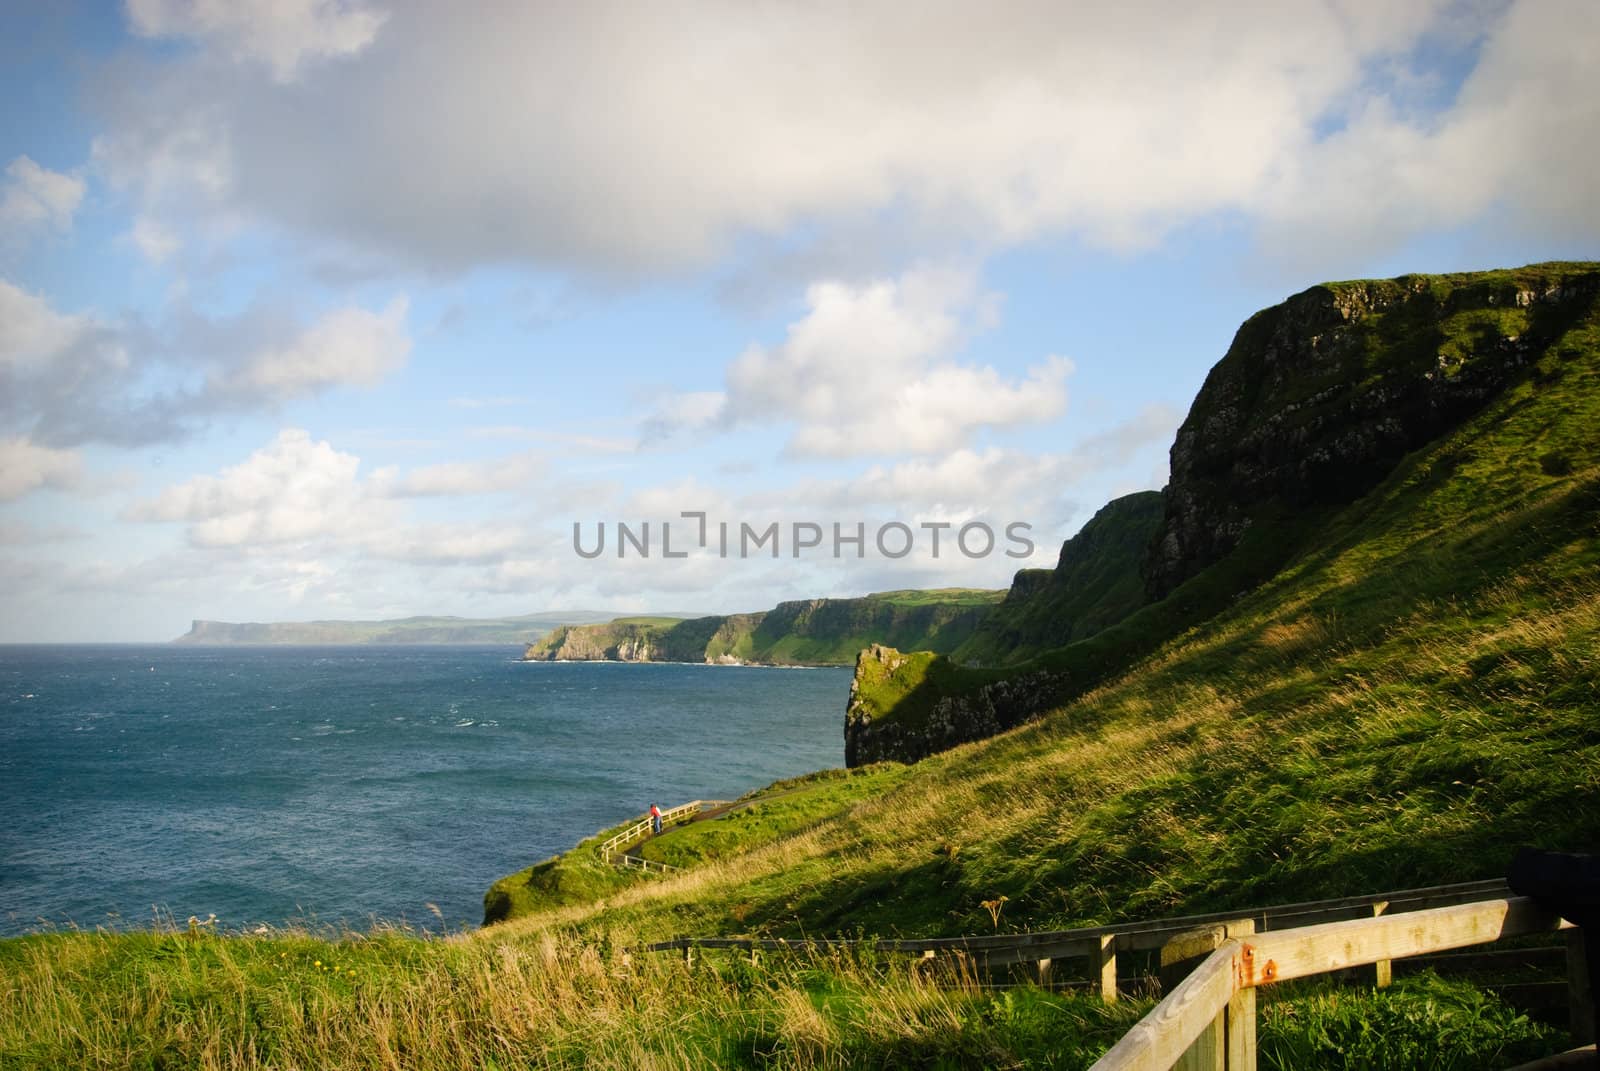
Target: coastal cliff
(1320,397)
(808,632)
(439,630)
(1316,403)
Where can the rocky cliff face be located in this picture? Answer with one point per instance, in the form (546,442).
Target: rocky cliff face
(617,641)
(815,632)
(1317,400)
(941,721)
(1320,397)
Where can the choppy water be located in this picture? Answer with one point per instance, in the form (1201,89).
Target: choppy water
(346,784)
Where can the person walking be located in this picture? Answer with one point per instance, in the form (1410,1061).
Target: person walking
(655,819)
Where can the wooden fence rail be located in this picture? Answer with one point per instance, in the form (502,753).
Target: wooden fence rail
(1208,1021)
(1100,945)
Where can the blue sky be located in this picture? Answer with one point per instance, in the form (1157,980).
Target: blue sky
(351,308)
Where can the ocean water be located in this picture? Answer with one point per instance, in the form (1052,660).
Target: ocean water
(347,785)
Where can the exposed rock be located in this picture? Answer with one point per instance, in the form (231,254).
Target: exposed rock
(949,719)
(1320,397)
(1317,400)
(802,632)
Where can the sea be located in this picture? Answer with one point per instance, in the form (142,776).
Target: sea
(355,786)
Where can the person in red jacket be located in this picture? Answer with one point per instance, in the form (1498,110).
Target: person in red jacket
(655,819)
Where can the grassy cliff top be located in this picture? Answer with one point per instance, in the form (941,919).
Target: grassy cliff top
(1403,700)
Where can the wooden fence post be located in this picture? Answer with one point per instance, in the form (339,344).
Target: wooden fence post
(1184,951)
(1228,1043)
(1239,1017)
(1044,972)
(1108,968)
(1383,970)
(1580,988)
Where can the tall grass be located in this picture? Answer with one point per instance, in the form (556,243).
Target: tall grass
(394,1000)
(391,1000)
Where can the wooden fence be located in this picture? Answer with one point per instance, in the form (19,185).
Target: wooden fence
(1176,940)
(1208,1019)
(615,850)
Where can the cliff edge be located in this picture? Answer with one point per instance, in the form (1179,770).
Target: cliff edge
(1317,402)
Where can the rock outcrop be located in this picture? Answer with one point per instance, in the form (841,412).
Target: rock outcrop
(1320,397)
(808,632)
(1316,402)
(933,722)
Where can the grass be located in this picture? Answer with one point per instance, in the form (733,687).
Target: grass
(1397,691)
(1095,585)
(390,999)
(933,596)
(779,811)
(1419,1022)
(574,877)
(1406,700)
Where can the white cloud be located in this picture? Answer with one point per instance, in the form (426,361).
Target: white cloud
(868,370)
(279,34)
(348,346)
(1154,424)
(25,466)
(71,379)
(683,411)
(34,196)
(154,239)
(32,334)
(1521,141)
(963,482)
(515,472)
(291,490)
(439,544)
(305,499)
(1116,125)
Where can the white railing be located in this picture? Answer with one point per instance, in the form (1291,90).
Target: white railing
(615,850)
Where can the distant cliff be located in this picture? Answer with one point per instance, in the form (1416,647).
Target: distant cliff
(1317,401)
(456,630)
(811,632)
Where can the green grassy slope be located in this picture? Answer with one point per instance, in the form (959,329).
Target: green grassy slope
(1317,399)
(1404,696)
(389,1000)
(1412,697)
(813,632)
(1094,585)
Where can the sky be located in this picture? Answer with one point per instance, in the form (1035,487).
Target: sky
(368,308)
